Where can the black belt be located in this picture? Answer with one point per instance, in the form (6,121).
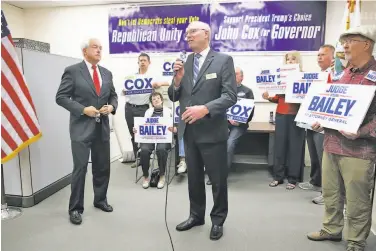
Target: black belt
(129,104)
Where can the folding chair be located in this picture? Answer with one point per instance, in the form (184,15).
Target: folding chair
(154,153)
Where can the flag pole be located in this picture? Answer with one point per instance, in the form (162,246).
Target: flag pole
(7,213)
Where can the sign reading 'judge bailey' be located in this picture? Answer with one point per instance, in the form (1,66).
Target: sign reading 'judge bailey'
(336,106)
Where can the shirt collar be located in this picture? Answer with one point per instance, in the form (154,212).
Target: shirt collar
(371,62)
(89,65)
(204,53)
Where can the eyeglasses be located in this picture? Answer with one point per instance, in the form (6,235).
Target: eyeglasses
(350,41)
(189,32)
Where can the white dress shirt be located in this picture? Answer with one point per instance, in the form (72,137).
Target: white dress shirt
(92,72)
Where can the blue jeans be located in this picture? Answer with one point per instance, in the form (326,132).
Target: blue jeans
(235,133)
(181,148)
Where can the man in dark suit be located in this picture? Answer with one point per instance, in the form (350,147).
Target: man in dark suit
(87,92)
(205,87)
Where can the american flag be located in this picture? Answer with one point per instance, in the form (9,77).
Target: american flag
(19,122)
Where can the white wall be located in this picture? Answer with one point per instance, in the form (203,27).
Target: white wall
(15,19)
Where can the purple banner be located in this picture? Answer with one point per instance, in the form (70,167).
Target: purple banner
(268,26)
(249,26)
(153,29)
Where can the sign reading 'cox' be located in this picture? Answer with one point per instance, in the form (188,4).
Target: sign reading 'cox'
(138,86)
(168,68)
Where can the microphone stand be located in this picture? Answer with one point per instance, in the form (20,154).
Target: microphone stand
(7,213)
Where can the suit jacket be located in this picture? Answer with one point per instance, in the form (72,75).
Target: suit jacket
(77,91)
(216,91)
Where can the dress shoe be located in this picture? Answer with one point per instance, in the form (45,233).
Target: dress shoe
(188,224)
(104,207)
(216,232)
(75,217)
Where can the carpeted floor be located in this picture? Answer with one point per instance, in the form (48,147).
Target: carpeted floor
(260,219)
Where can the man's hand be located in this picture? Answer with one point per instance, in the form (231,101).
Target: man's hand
(91,111)
(172,129)
(350,135)
(317,127)
(234,123)
(106,109)
(179,69)
(156,85)
(194,113)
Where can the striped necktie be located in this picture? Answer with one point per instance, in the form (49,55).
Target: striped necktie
(196,68)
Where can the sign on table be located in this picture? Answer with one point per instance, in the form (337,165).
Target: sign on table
(153,130)
(299,83)
(336,106)
(241,111)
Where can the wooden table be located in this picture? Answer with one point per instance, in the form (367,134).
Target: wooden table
(256,147)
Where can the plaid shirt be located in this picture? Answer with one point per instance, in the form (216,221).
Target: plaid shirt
(363,147)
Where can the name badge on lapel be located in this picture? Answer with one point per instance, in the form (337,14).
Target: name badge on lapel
(211,76)
(371,76)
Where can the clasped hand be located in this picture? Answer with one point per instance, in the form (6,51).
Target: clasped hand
(171,129)
(194,113)
(91,111)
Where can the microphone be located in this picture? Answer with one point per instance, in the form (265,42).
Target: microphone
(182,58)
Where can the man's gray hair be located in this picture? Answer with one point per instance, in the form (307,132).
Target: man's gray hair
(329,46)
(205,26)
(85,44)
(240,69)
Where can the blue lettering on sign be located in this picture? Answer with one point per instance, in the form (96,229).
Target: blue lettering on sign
(263,72)
(300,88)
(265,79)
(238,110)
(310,76)
(325,105)
(153,130)
(371,76)
(177,114)
(152,120)
(168,69)
(138,86)
(337,89)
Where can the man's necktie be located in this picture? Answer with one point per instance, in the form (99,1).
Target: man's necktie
(97,85)
(196,68)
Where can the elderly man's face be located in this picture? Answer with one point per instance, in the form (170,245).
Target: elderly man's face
(94,51)
(324,58)
(197,37)
(238,76)
(354,46)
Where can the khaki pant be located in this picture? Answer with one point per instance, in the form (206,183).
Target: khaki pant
(349,179)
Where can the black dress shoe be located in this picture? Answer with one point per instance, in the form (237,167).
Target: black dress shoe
(208,183)
(216,232)
(104,207)
(75,217)
(188,224)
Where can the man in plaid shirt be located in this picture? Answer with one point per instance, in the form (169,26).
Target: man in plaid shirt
(349,159)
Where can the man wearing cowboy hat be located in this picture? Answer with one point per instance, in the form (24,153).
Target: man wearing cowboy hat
(349,159)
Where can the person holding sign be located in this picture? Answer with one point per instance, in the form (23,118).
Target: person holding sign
(348,164)
(315,140)
(157,110)
(289,138)
(237,129)
(205,87)
(137,90)
(88,93)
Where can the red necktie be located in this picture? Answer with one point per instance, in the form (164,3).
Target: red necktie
(97,85)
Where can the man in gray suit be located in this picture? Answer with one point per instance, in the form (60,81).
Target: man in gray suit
(205,87)
(87,92)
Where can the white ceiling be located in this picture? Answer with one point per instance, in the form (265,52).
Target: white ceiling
(50,4)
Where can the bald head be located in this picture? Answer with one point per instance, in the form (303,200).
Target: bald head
(239,75)
(198,36)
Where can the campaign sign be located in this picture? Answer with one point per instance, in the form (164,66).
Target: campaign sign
(167,67)
(268,80)
(336,106)
(138,85)
(286,71)
(177,114)
(153,130)
(241,111)
(299,83)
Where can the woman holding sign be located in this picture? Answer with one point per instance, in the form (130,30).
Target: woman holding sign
(157,110)
(289,138)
